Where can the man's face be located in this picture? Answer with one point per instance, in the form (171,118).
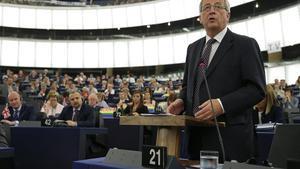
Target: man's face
(14,100)
(9,81)
(92,101)
(75,100)
(214,16)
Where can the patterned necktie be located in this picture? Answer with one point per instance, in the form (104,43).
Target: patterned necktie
(16,114)
(200,72)
(75,115)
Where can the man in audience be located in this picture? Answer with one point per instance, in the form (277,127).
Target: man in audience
(17,110)
(78,113)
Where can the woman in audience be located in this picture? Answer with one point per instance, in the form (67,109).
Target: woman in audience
(101,102)
(52,107)
(269,110)
(44,91)
(136,107)
(289,101)
(149,102)
(123,101)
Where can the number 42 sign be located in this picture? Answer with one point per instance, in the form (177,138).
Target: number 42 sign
(154,157)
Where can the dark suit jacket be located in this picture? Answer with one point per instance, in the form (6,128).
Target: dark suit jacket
(236,76)
(26,113)
(86,116)
(3,138)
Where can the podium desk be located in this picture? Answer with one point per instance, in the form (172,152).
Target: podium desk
(168,132)
(49,148)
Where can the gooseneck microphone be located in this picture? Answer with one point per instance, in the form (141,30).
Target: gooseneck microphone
(203,67)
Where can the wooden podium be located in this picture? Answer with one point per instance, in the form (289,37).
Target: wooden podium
(168,128)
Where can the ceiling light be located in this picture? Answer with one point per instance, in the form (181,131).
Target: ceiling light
(256,5)
(186,29)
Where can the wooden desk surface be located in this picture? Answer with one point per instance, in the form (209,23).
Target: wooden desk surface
(165,120)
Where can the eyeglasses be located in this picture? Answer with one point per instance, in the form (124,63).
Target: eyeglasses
(208,7)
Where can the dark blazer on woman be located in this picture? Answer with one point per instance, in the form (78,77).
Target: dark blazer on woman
(141,110)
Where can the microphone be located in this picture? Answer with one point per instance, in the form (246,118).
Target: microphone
(203,67)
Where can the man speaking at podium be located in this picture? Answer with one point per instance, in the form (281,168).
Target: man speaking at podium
(234,71)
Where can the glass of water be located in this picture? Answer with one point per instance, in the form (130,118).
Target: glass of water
(209,159)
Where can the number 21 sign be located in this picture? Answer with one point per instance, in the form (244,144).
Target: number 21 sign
(154,156)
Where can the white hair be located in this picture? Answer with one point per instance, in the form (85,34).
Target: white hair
(227,6)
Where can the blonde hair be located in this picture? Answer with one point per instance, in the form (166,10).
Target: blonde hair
(270,98)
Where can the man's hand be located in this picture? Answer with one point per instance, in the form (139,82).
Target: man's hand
(135,114)
(11,123)
(71,123)
(176,107)
(205,110)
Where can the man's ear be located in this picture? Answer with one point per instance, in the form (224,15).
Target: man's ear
(199,19)
(228,16)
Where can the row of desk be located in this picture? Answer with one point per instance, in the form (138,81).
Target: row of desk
(48,147)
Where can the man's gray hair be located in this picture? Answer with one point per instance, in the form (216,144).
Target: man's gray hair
(226,3)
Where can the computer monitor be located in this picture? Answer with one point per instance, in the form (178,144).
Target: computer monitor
(285,145)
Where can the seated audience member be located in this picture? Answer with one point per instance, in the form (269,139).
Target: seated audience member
(298,82)
(54,88)
(139,84)
(162,106)
(93,102)
(52,107)
(268,110)
(44,91)
(3,138)
(92,88)
(101,102)
(136,107)
(78,113)
(16,111)
(289,101)
(149,102)
(85,94)
(123,100)
(279,93)
(109,92)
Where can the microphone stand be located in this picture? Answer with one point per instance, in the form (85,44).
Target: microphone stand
(202,65)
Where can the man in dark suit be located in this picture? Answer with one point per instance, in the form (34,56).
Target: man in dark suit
(78,114)
(17,110)
(234,69)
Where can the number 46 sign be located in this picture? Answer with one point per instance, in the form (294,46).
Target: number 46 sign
(154,157)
